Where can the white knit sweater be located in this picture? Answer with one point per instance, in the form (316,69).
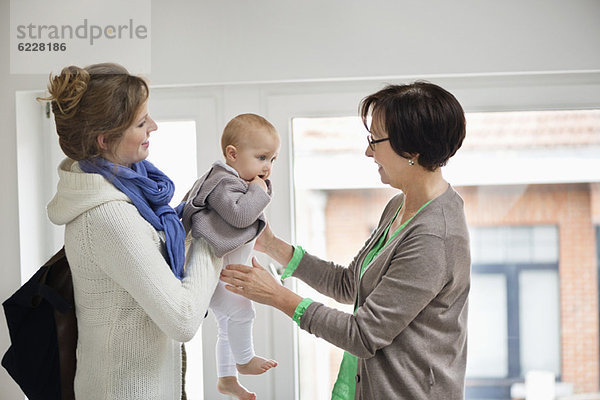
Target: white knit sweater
(132,312)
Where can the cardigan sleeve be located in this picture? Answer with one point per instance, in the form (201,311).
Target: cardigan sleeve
(237,205)
(293,264)
(334,280)
(328,278)
(124,245)
(415,275)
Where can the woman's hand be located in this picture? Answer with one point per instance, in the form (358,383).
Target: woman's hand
(257,284)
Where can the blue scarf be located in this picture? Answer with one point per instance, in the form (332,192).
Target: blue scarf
(150,190)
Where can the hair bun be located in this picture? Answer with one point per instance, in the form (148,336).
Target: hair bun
(67,89)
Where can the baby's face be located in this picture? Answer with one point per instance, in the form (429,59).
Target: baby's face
(256,155)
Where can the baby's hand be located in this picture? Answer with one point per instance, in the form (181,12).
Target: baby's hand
(258,181)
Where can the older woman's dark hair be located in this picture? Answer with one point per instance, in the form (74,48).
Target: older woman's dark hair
(419,118)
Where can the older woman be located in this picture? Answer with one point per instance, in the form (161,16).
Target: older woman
(125,244)
(410,282)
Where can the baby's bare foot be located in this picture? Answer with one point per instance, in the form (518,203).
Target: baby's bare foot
(229,385)
(256,366)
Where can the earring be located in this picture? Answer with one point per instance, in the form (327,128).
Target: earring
(411,162)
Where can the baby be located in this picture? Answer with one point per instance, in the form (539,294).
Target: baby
(225,208)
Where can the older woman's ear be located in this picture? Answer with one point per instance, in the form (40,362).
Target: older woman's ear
(414,159)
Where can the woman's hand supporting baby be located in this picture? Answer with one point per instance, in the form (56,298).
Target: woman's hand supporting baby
(257,284)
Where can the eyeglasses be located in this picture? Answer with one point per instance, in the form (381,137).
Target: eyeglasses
(372,142)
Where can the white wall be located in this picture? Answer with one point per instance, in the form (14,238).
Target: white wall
(202,42)
(215,41)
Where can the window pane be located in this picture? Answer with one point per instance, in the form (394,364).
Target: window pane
(514,244)
(487,340)
(539,321)
(324,199)
(173,151)
(491,246)
(545,244)
(319,361)
(518,244)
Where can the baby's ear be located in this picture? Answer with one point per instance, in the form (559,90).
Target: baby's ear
(230,152)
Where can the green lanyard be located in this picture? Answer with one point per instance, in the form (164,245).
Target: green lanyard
(345,384)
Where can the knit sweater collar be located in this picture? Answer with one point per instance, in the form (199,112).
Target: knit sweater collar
(78,192)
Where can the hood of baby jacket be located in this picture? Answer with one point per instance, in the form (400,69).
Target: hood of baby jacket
(78,192)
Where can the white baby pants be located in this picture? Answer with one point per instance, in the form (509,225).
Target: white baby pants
(235,315)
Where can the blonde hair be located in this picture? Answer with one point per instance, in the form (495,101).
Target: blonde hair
(87,102)
(236,130)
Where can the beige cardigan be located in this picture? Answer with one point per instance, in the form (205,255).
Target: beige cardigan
(410,328)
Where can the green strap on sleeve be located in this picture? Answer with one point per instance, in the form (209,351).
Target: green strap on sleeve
(300,309)
(293,264)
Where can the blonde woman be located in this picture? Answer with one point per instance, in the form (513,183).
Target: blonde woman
(125,245)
